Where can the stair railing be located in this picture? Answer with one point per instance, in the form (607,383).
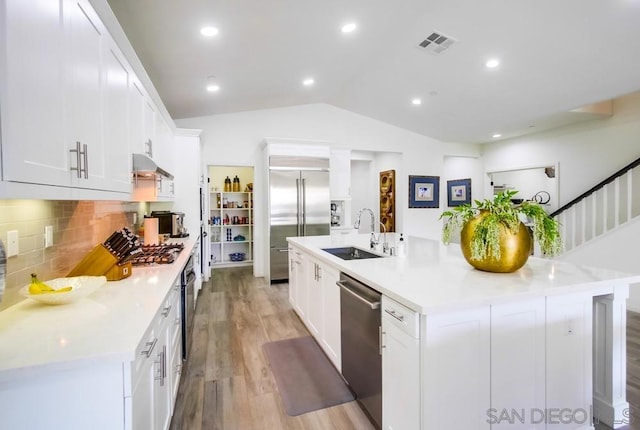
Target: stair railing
(611,203)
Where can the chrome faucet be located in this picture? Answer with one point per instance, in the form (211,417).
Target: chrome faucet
(373,241)
(385,244)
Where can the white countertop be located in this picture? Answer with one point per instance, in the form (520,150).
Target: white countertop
(109,324)
(433,277)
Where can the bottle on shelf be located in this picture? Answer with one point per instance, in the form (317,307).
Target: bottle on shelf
(227,184)
(236,183)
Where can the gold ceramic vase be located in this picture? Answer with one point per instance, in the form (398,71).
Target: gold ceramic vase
(514,248)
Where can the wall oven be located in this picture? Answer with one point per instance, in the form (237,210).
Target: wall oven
(187,303)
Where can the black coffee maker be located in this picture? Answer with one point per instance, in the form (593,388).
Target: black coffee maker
(171,223)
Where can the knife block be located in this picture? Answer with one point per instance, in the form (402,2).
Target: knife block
(100,262)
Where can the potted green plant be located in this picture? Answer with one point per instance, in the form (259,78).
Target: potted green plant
(493,236)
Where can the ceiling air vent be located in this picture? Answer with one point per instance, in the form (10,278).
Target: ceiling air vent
(437,42)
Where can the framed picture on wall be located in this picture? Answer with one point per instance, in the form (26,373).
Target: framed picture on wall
(424,191)
(459,192)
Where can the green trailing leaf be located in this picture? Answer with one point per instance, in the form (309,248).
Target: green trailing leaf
(502,213)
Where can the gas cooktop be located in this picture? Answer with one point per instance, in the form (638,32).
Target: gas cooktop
(165,253)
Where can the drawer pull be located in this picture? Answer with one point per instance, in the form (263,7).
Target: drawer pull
(150,345)
(393,313)
(165,312)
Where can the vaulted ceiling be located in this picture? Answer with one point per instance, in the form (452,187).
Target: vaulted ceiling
(554,56)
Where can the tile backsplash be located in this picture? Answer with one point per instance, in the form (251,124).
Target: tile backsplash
(77,227)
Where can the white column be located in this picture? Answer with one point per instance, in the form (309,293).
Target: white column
(609,358)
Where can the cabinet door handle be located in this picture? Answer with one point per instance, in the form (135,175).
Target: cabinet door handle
(393,313)
(380,339)
(78,168)
(150,345)
(162,363)
(149,145)
(165,312)
(86,161)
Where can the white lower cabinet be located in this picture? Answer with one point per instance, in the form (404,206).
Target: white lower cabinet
(518,365)
(313,271)
(400,367)
(297,282)
(455,369)
(154,374)
(569,356)
(315,297)
(330,332)
(142,399)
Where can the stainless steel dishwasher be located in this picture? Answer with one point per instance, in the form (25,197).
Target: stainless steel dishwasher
(360,333)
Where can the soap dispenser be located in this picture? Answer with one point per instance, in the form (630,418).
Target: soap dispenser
(401,247)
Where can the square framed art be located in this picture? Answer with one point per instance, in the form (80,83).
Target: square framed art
(424,191)
(459,192)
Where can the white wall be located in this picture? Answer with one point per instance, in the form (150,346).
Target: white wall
(235,139)
(616,250)
(186,153)
(587,153)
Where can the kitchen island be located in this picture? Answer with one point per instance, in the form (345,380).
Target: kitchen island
(543,347)
(109,361)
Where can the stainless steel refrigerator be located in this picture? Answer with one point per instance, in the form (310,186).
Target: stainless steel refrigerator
(299,205)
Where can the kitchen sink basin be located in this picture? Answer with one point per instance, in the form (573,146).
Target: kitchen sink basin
(351,253)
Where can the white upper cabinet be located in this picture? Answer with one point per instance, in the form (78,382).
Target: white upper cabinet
(117,120)
(149,127)
(69,112)
(136,105)
(33,120)
(83,92)
(340,173)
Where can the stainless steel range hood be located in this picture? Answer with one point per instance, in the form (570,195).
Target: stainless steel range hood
(144,166)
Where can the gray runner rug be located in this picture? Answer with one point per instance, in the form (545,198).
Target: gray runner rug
(307,381)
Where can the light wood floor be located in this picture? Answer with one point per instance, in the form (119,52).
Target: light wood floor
(227,383)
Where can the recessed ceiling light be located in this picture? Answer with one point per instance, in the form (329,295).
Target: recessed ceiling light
(416,101)
(212,84)
(308,82)
(209,31)
(496,135)
(492,63)
(348,28)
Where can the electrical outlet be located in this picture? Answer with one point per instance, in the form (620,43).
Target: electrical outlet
(13,248)
(48,236)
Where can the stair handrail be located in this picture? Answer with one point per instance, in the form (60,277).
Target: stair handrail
(595,188)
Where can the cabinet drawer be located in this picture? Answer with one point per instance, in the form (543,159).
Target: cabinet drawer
(401,316)
(146,350)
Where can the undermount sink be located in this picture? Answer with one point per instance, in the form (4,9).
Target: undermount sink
(351,253)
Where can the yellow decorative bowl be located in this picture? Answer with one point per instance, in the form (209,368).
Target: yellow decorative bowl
(514,248)
(81,287)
